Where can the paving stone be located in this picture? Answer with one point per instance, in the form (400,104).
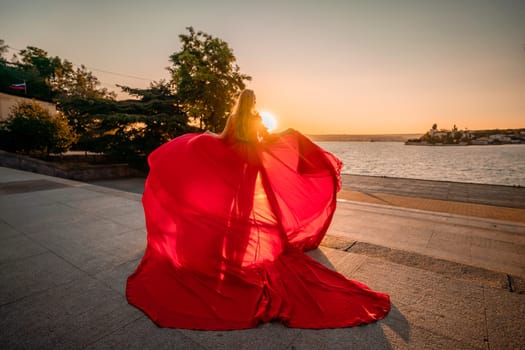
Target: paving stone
(127,209)
(23,200)
(505,319)
(69,316)
(510,263)
(364,337)
(466,239)
(447,268)
(7,231)
(449,248)
(427,301)
(133,184)
(451,308)
(270,336)
(115,192)
(33,218)
(337,242)
(83,229)
(104,204)
(420,338)
(95,246)
(117,276)
(18,247)
(144,334)
(72,194)
(438,253)
(10,175)
(131,216)
(47,300)
(411,235)
(28,186)
(24,277)
(136,221)
(506,230)
(338,260)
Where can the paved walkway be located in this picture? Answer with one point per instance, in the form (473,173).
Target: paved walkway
(474,235)
(493,195)
(456,281)
(484,201)
(491,244)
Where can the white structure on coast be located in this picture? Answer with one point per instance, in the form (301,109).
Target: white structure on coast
(435,137)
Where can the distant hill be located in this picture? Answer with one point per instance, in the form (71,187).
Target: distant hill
(366,138)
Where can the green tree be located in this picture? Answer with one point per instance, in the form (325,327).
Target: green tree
(61,77)
(31,128)
(80,82)
(29,71)
(49,78)
(127,130)
(34,58)
(206,79)
(3,50)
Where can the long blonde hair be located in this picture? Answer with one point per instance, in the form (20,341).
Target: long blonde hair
(244,121)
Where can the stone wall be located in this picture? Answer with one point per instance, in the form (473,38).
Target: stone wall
(80,171)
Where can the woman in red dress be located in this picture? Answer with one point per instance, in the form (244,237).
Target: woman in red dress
(228,218)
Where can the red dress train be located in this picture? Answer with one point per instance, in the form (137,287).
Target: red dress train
(227,225)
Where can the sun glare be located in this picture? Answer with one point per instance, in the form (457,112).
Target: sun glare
(269,120)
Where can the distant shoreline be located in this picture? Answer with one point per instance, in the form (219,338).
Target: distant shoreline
(365,138)
(455,137)
(410,143)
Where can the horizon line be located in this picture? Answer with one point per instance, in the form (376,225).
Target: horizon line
(402,133)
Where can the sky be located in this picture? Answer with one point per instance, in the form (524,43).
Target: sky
(321,67)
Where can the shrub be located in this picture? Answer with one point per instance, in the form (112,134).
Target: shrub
(31,129)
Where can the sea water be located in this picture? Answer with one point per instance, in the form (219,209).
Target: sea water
(498,164)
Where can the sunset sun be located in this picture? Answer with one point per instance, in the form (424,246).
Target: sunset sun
(269,120)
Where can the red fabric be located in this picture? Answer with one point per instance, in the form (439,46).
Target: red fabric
(227,225)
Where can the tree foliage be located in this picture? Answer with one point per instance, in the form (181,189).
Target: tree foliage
(37,87)
(127,130)
(3,50)
(49,78)
(31,128)
(61,76)
(206,78)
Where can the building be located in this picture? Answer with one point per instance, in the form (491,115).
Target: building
(435,133)
(500,138)
(8,101)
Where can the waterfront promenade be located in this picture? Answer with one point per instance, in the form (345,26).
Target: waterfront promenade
(454,267)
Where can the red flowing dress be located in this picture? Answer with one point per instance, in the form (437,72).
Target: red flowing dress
(227,224)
